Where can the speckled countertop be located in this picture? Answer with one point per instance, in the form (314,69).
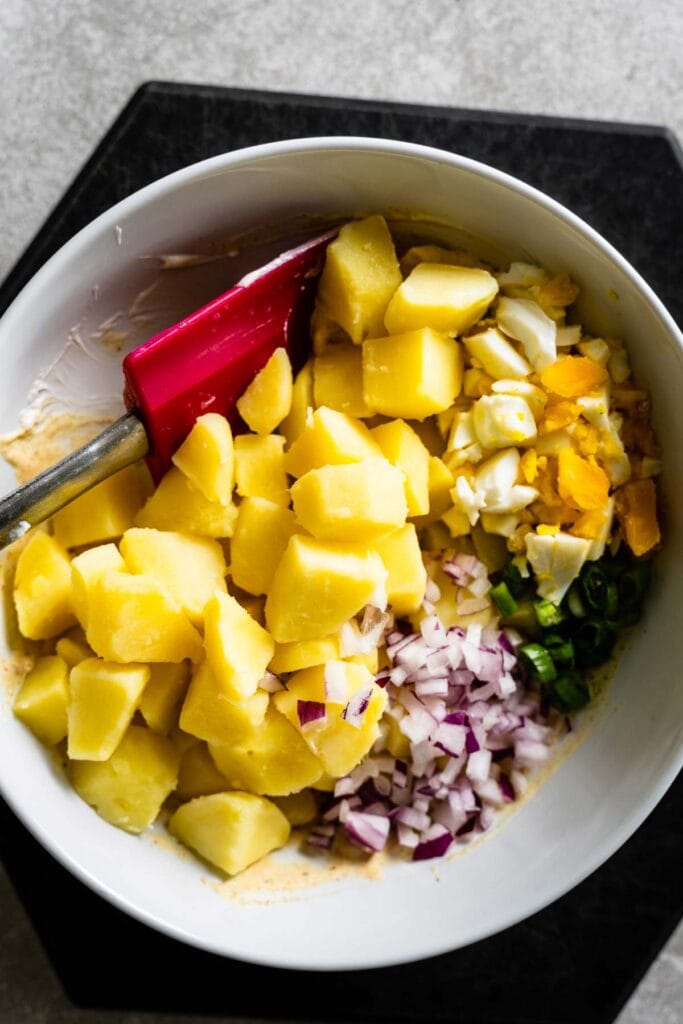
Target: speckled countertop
(68,67)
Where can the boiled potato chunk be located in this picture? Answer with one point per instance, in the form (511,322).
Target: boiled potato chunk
(43,699)
(42,588)
(260,468)
(338,380)
(129,789)
(304,653)
(230,830)
(273,761)
(330,438)
(206,458)
(178,505)
(298,808)
(440,482)
(337,743)
(209,714)
(72,650)
(406,575)
(103,700)
(132,618)
(190,568)
(86,569)
(318,586)
(198,775)
(351,503)
(237,648)
(161,697)
(262,531)
(446,298)
(361,274)
(404,449)
(412,375)
(105,511)
(268,399)
(302,403)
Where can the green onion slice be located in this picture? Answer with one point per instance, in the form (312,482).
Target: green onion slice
(503,598)
(539,661)
(548,614)
(513,579)
(569,692)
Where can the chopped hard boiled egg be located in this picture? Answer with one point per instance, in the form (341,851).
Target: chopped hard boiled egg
(556,560)
(502,420)
(527,323)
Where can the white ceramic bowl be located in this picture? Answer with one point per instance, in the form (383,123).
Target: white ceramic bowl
(598,795)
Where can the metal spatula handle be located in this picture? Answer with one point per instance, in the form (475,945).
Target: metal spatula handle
(121,444)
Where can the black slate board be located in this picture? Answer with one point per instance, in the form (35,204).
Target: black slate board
(576,961)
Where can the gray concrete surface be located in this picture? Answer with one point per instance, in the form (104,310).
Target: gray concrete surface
(67,66)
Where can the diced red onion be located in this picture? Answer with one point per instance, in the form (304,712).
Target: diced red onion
(355,710)
(335,681)
(310,712)
(435,843)
(271,683)
(367,830)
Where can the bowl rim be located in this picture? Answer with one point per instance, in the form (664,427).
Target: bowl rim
(218,164)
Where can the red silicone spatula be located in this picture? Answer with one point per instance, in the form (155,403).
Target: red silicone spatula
(202,364)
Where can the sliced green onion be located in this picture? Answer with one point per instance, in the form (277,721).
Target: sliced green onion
(513,579)
(503,598)
(560,649)
(524,619)
(574,602)
(539,661)
(569,692)
(593,642)
(632,585)
(548,614)
(611,600)
(594,582)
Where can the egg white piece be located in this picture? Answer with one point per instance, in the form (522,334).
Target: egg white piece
(503,420)
(496,354)
(556,560)
(525,321)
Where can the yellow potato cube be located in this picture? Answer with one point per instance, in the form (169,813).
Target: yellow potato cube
(298,808)
(437,254)
(261,534)
(206,457)
(129,789)
(178,505)
(106,510)
(209,714)
(268,399)
(88,567)
(404,449)
(338,380)
(406,574)
(230,830)
(396,742)
(318,586)
(338,743)
(302,402)
(132,618)
(356,502)
(303,654)
(260,468)
(370,661)
(190,568)
(103,699)
(43,699)
(198,775)
(273,761)
(73,650)
(412,375)
(457,521)
(161,697)
(440,482)
(446,298)
(237,648)
(330,438)
(361,274)
(42,588)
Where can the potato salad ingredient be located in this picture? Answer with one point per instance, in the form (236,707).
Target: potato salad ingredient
(368,613)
